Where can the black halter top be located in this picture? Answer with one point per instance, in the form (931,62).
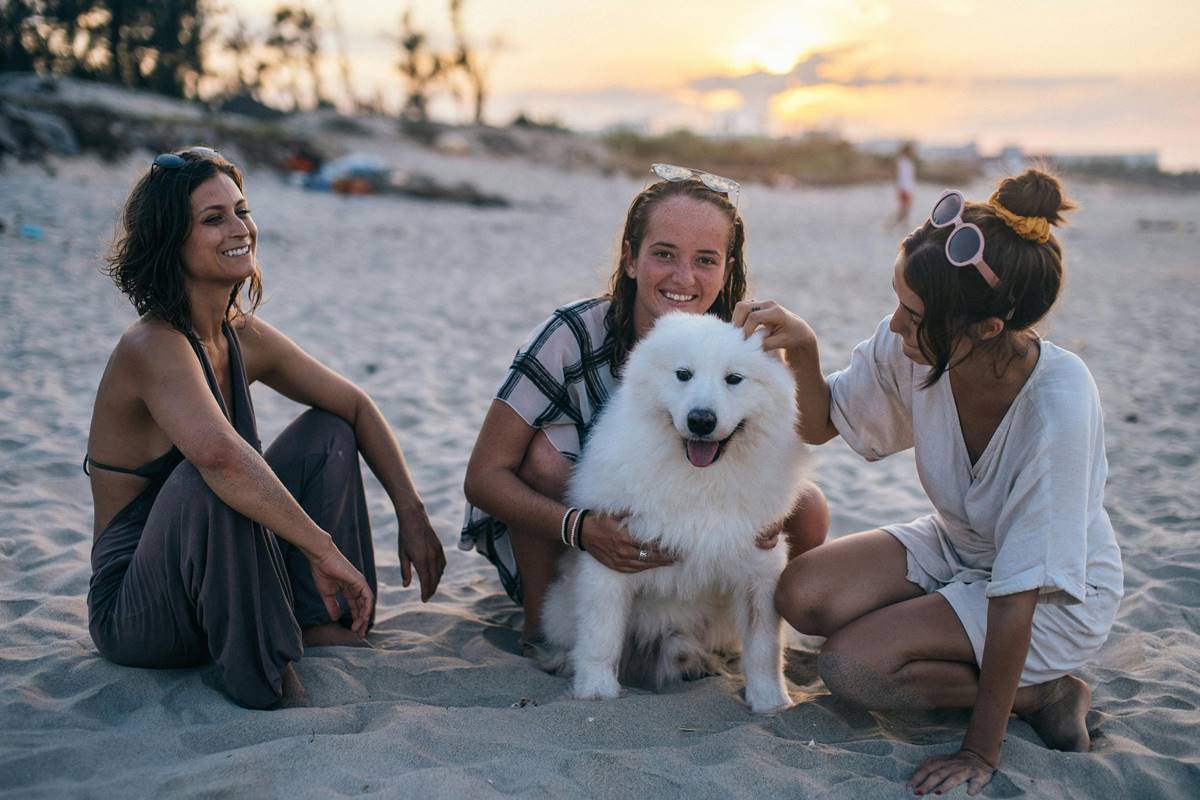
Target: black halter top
(242,418)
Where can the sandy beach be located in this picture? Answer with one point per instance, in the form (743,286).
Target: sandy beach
(423,304)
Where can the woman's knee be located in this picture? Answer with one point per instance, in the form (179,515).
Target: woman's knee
(802,598)
(324,426)
(545,469)
(808,524)
(314,439)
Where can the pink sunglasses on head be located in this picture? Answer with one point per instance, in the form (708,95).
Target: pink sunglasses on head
(964,245)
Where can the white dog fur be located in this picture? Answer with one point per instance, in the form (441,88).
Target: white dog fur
(662,625)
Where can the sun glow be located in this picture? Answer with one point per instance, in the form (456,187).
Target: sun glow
(721,100)
(776,42)
(807,106)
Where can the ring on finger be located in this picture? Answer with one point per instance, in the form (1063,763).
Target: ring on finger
(643,554)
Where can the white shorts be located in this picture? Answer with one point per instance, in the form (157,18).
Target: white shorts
(1065,637)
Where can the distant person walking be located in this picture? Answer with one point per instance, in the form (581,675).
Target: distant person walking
(906,185)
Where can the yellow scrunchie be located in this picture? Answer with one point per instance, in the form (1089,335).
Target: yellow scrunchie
(1035,229)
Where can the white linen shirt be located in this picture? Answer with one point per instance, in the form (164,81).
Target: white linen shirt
(1029,513)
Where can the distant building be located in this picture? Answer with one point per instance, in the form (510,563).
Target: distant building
(947,152)
(1011,159)
(1147,160)
(881,147)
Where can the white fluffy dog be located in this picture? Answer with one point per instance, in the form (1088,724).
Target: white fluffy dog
(698,451)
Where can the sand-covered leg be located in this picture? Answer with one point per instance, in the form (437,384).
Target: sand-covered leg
(602,601)
(762,648)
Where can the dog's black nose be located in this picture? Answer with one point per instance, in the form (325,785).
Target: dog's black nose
(701,421)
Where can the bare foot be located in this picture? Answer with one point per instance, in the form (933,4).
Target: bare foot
(1061,714)
(294,695)
(332,634)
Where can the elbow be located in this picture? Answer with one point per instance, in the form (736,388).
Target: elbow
(362,404)
(217,455)
(820,437)
(471,487)
(481,486)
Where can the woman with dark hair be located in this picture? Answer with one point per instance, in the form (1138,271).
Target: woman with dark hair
(681,250)
(205,547)
(1014,581)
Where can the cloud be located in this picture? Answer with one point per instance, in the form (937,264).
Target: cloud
(809,71)
(822,68)
(1045,81)
(1064,112)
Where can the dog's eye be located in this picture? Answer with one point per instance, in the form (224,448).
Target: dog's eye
(683,374)
(733,379)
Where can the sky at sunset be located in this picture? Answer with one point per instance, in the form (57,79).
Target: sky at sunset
(1070,76)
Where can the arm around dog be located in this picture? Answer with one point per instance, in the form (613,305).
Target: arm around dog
(498,482)
(783,330)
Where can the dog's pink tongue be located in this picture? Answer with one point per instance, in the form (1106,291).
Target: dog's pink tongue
(701,453)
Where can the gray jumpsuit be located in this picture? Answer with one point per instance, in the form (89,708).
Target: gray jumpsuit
(179,578)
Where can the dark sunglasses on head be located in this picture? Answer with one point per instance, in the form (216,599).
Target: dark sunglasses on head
(172,161)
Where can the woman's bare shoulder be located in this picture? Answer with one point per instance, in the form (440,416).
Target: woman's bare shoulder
(148,332)
(254,330)
(147,343)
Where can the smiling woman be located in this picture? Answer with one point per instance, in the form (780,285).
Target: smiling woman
(162,227)
(681,250)
(204,546)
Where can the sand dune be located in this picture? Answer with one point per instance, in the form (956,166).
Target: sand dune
(424,304)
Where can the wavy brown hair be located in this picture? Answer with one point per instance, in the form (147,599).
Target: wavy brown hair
(955,299)
(157,219)
(622,289)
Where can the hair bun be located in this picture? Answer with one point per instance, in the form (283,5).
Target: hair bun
(1035,193)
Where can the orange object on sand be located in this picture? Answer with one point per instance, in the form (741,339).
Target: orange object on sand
(352,186)
(298,162)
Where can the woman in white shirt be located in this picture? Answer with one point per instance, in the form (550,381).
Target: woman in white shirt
(1014,581)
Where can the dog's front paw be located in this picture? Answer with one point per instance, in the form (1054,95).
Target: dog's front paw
(768,700)
(596,685)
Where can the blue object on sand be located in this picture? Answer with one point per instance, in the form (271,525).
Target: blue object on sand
(32,232)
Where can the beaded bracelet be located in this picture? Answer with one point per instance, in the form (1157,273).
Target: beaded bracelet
(563,528)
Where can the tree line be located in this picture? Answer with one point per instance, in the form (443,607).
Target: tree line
(170,46)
